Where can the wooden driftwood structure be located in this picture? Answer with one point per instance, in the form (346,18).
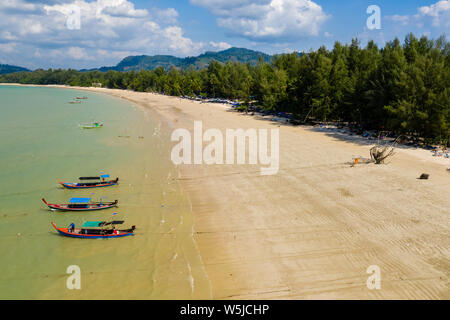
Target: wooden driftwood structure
(380,153)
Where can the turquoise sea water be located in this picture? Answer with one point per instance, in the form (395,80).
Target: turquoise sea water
(40,141)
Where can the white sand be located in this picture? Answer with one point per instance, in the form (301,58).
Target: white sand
(312,230)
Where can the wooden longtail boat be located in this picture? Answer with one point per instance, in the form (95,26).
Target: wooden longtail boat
(95,230)
(95,125)
(86,185)
(81,204)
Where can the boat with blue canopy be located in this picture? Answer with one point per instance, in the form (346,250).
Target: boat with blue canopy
(81,204)
(95,230)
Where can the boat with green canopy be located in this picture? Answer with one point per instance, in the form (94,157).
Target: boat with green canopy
(95,230)
(94,125)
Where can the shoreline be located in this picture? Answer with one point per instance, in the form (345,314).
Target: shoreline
(312,230)
(420,153)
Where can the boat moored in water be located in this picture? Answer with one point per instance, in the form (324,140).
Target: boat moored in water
(102,182)
(94,125)
(81,204)
(95,230)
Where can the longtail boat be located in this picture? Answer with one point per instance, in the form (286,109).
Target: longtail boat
(95,125)
(81,204)
(95,230)
(102,182)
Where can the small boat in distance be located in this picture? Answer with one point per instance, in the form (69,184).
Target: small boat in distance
(74,102)
(81,204)
(81,98)
(94,125)
(95,230)
(102,182)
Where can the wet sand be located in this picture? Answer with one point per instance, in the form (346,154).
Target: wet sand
(312,230)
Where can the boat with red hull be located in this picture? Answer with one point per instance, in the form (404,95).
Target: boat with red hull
(95,230)
(102,182)
(81,204)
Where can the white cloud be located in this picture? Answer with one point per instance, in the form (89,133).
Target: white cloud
(167,16)
(8,36)
(224,7)
(220,45)
(177,42)
(437,14)
(116,54)
(267,19)
(402,20)
(8,47)
(16,6)
(119,8)
(30,27)
(110,30)
(77,53)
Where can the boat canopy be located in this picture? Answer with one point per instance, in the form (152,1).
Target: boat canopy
(113,222)
(79,200)
(105,176)
(99,224)
(92,224)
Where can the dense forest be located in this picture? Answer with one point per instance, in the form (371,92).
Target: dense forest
(403,87)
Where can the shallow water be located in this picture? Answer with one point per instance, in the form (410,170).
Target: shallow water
(40,141)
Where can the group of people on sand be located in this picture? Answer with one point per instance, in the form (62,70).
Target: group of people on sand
(444,152)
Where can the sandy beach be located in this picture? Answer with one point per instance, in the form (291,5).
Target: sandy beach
(312,230)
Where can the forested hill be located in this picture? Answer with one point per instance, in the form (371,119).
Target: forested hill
(6,68)
(233,54)
(152,62)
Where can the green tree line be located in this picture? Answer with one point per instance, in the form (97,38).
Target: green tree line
(402,87)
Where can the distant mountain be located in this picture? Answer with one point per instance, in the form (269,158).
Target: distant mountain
(233,54)
(6,68)
(148,62)
(151,62)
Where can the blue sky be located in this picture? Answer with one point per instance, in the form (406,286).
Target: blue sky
(92,33)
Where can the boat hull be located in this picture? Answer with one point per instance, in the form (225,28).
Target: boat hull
(90,207)
(66,233)
(91,127)
(71,185)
